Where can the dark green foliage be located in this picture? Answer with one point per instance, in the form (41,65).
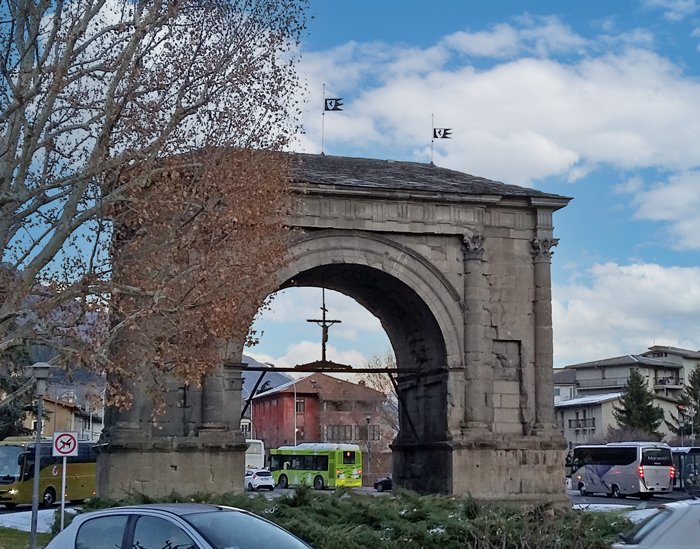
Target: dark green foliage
(14,413)
(688,420)
(637,409)
(348,520)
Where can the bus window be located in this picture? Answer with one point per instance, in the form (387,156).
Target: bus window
(348,458)
(275,463)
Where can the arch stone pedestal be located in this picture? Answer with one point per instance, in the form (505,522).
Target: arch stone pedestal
(457,269)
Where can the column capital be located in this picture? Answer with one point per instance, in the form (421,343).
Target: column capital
(542,248)
(473,246)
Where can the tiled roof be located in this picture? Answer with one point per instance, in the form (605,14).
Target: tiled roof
(627,360)
(327,388)
(564,377)
(340,171)
(587,400)
(687,353)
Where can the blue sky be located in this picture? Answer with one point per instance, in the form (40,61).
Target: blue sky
(599,101)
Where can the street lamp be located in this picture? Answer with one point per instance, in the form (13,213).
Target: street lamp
(368,417)
(40,372)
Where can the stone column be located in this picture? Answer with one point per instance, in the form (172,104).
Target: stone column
(213,400)
(233,381)
(544,343)
(475,321)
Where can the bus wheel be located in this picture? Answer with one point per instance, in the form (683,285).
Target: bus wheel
(49,498)
(582,489)
(283,482)
(10,505)
(318,482)
(616,492)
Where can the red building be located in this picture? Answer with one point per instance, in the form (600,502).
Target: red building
(321,408)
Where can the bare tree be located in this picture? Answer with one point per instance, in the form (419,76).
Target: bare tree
(381,382)
(142,115)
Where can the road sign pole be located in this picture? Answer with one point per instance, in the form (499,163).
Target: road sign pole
(63,493)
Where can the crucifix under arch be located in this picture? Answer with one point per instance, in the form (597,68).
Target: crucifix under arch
(324,323)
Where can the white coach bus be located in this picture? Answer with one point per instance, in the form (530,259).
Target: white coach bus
(623,469)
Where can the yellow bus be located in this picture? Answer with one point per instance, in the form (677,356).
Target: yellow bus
(17,472)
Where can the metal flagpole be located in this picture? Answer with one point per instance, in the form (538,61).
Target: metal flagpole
(323,117)
(432,139)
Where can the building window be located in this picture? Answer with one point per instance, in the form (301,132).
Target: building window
(301,405)
(557,391)
(374,432)
(339,433)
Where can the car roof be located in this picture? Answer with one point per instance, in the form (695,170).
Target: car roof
(179,509)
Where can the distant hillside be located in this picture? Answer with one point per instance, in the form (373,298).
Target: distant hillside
(250,378)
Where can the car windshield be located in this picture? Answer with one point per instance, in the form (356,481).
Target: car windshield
(234,529)
(644,528)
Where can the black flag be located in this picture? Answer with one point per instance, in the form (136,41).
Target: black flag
(333,104)
(442,133)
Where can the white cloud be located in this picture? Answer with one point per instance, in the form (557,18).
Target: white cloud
(675,9)
(626,309)
(305,352)
(676,202)
(521,119)
(300,304)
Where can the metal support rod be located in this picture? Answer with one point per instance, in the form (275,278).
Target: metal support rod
(403,403)
(252,394)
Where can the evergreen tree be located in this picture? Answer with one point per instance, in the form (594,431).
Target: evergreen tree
(687,422)
(13,414)
(638,410)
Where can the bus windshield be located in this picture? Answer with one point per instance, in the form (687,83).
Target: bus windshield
(656,456)
(9,468)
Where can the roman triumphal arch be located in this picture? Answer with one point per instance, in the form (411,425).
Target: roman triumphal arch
(457,268)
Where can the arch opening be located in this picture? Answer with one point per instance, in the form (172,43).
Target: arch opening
(421,358)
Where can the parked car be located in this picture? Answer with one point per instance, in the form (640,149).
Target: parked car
(383,484)
(673,526)
(175,526)
(259,478)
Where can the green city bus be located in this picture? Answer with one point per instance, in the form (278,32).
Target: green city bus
(17,472)
(321,465)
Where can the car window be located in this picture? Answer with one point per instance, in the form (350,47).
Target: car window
(101,533)
(233,529)
(264,474)
(644,528)
(158,533)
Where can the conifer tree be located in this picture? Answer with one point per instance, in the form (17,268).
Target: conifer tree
(687,422)
(637,409)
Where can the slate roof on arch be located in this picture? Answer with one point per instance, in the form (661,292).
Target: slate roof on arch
(340,171)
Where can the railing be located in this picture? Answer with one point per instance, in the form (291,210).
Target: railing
(608,382)
(669,381)
(581,423)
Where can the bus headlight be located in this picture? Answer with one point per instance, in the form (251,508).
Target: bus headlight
(14,492)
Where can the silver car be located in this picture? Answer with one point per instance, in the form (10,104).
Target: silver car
(174,526)
(674,526)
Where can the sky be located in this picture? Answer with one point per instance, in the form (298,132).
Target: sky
(595,100)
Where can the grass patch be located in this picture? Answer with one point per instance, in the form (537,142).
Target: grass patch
(346,520)
(16,539)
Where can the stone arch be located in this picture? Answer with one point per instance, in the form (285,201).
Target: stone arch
(421,313)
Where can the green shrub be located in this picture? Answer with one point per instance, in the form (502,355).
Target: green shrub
(348,520)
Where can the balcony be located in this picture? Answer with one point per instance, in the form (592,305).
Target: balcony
(606,382)
(587,423)
(668,382)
